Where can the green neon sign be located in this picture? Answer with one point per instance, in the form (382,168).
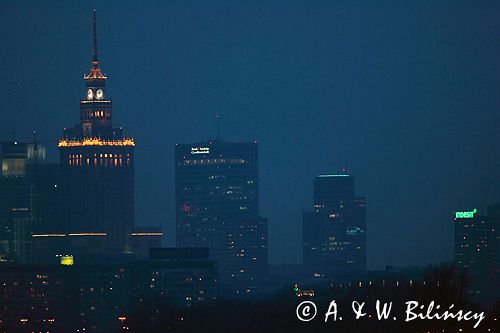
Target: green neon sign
(466,214)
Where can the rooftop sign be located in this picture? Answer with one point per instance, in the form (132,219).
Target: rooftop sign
(200,150)
(466,214)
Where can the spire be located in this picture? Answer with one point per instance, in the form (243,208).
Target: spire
(218,127)
(95,62)
(95,71)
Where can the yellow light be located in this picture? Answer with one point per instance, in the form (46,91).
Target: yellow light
(95,73)
(83,101)
(96,142)
(67,261)
(88,234)
(146,234)
(48,235)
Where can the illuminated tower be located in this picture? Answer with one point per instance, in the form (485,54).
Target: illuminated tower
(98,166)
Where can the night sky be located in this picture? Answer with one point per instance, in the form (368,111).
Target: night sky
(406,96)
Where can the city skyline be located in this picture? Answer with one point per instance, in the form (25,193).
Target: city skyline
(299,158)
(406,219)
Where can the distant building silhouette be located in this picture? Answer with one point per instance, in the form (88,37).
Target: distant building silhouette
(30,197)
(494,222)
(217,206)
(141,239)
(334,233)
(476,251)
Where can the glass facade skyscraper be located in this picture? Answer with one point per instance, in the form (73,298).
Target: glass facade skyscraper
(217,206)
(29,198)
(476,240)
(334,232)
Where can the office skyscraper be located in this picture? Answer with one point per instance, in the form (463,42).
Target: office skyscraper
(476,251)
(98,169)
(334,232)
(494,222)
(476,240)
(29,198)
(217,206)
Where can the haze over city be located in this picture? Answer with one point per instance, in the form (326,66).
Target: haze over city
(405,97)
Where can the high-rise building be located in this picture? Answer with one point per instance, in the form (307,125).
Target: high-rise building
(217,206)
(97,160)
(17,156)
(494,221)
(476,247)
(334,238)
(476,240)
(29,198)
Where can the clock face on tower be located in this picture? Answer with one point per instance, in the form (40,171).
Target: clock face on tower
(99,94)
(90,94)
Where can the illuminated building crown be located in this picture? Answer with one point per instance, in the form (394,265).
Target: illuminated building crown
(95,71)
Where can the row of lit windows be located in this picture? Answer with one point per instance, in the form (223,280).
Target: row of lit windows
(215,161)
(97,114)
(99,155)
(116,160)
(354,231)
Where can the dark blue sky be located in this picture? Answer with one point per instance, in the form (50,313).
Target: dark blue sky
(404,95)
